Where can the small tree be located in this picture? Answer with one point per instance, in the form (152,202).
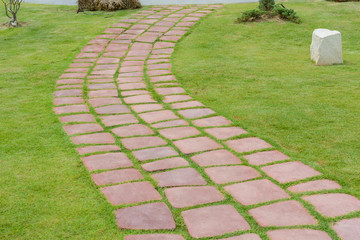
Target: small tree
(11,9)
(107,5)
(266,5)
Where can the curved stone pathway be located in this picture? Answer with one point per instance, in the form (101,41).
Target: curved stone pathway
(172,167)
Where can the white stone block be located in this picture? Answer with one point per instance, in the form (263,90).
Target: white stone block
(326,47)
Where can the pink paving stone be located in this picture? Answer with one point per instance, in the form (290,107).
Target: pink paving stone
(135,31)
(129,79)
(108,60)
(217,157)
(100,80)
(131,74)
(82,128)
(213,221)
(172,123)
(157,56)
(140,26)
(101,86)
(132,63)
(99,41)
(114,54)
(225,132)
(334,204)
(106,66)
(116,176)
(189,104)
(68,100)
(150,39)
(158,29)
(175,32)
(147,216)
(179,177)
(160,66)
(126,193)
(227,174)
(129,20)
(154,153)
(196,113)
(124,41)
(163,45)
(123,25)
(141,46)
(142,142)
(87,55)
(74,70)
(112,109)
(104,72)
(247,236)
(190,19)
(71,109)
(169,91)
(199,144)
(261,158)
(134,92)
(166,84)
(154,237)
(126,37)
(73,75)
(151,117)
(171,19)
(162,78)
(165,164)
(158,72)
(176,98)
(76,65)
(69,86)
(163,51)
(113,120)
(181,197)
(85,60)
(70,81)
(247,144)
(138,52)
(273,214)
(114,30)
(181,28)
(69,92)
(98,148)
(96,102)
(93,48)
(139,99)
(131,69)
(149,21)
(179,132)
(212,122)
(107,36)
(290,171)
(103,93)
(185,24)
(95,138)
(106,161)
(317,185)
(77,118)
(298,234)
(131,86)
(348,229)
(132,130)
(254,192)
(146,107)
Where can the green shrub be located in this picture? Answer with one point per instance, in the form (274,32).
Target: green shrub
(286,13)
(251,15)
(266,5)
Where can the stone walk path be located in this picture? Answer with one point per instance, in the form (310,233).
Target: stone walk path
(172,167)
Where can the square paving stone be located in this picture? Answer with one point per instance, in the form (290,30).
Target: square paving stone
(160,236)
(154,153)
(312,186)
(101,86)
(165,164)
(68,100)
(334,204)
(298,234)
(181,197)
(97,148)
(77,118)
(290,171)
(247,144)
(106,161)
(116,176)
(82,128)
(196,113)
(212,122)
(132,130)
(254,192)
(97,102)
(261,158)
(179,132)
(113,120)
(126,193)
(217,157)
(94,138)
(146,107)
(142,142)
(103,93)
(226,174)
(71,109)
(213,221)
(247,236)
(134,92)
(287,213)
(161,78)
(112,109)
(173,123)
(348,229)
(170,90)
(179,177)
(189,104)
(151,216)
(139,99)
(151,117)
(176,98)
(225,132)
(199,144)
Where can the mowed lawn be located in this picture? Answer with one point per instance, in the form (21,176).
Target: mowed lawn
(46,193)
(260,76)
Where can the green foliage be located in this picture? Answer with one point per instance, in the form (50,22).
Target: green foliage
(266,5)
(286,13)
(251,15)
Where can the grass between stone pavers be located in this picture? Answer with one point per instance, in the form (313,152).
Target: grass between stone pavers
(260,76)
(46,193)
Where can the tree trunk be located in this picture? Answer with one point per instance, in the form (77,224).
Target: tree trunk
(108,5)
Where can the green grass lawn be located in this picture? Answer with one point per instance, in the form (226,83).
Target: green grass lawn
(260,76)
(46,193)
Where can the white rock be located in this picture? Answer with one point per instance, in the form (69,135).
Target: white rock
(326,47)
